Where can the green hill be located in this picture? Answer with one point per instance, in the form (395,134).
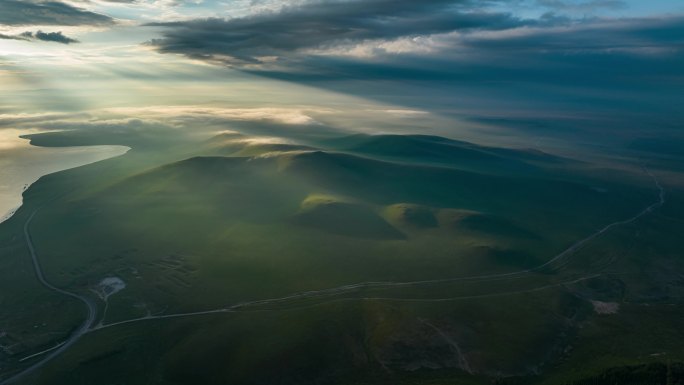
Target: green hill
(438,150)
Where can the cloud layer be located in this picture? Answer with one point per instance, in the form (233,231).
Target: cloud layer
(440,35)
(483,58)
(323,24)
(459,58)
(27,12)
(53,37)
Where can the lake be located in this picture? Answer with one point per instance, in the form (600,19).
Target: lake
(22,164)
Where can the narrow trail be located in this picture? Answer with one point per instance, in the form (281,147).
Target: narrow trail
(243,307)
(346,289)
(43,352)
(76,335)
(326,293)
(462,359)
(88,326)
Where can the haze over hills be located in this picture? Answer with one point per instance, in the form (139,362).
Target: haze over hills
(342,192)
(341,258)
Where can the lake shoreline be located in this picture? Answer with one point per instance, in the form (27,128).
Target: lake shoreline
(22,164)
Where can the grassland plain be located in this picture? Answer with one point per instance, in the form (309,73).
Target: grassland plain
(415,258)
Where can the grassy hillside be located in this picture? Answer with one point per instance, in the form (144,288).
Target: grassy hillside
(358,260)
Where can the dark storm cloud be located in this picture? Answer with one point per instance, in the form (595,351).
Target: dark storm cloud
(54,37)
(27,12)
(11,37)
(620,54)
(110,1)
(625,35)
(489,45)
(483,36)
(323,24)
(593,68)
(584,6)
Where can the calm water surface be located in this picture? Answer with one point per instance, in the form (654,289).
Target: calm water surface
(22,164)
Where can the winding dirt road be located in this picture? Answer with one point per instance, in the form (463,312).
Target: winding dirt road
(76,335)
(88,324)
(332,292)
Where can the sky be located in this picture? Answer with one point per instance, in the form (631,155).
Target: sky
(589,69)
